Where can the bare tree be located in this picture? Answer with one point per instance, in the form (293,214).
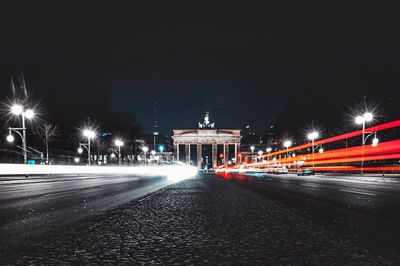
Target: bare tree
(47,132)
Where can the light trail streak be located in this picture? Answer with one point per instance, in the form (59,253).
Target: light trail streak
(385,151)
(175,172)
(377,128)
(338,160)
(356,169)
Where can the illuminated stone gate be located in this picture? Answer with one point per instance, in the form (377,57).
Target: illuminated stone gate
(206,134)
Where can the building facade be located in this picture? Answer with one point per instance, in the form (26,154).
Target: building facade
(206,135)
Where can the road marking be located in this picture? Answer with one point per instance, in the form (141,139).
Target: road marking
(270,179)
(358,192)
(309,185)
(284,181)
(61,192)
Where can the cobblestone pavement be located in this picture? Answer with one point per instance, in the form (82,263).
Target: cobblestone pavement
(206,220)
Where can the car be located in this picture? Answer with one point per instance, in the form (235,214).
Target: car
(282,170)
(303,172)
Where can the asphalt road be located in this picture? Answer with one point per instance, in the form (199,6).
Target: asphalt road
(368,209)
(33,209)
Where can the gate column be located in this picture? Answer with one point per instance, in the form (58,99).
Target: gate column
(187,153)
(199,156)
(214,155)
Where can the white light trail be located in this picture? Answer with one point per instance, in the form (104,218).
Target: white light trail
(175,172)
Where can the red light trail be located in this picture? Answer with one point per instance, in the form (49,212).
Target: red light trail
(377,128)
(379,157)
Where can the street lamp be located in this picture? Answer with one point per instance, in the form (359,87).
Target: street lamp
(269,149)
(260,152)
(161,148)
(119,143)
(145,149)
(287,144)
(10,138)
(19,110)
(375,142)
(361,120)
(89,134)
(153,154)
(312,136)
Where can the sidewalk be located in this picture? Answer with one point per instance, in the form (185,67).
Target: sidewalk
(206,220)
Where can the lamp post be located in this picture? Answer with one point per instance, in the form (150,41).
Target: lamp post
(252,151)
(89,134)
(145,149)
(17,109)
(161,148)
(312,136)
(362,119)
(375,141)
(287,144)
(269,149)
(119,143)
(260,152)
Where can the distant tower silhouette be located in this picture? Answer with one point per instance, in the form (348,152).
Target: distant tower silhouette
(155,127)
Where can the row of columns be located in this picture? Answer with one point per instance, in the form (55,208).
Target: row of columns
(214,155)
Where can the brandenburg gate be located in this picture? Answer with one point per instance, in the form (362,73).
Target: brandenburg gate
(206,134)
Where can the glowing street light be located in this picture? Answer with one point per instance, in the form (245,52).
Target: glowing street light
(269,149)
(252,151)
(375,142)
(119,143)
(260,152)
(10,138)
(312,136)
(287,144)
(29,114)
(145,149)
(19,110)
(89,134)
(361,120)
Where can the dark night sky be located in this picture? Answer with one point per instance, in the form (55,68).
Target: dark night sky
(244,63)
